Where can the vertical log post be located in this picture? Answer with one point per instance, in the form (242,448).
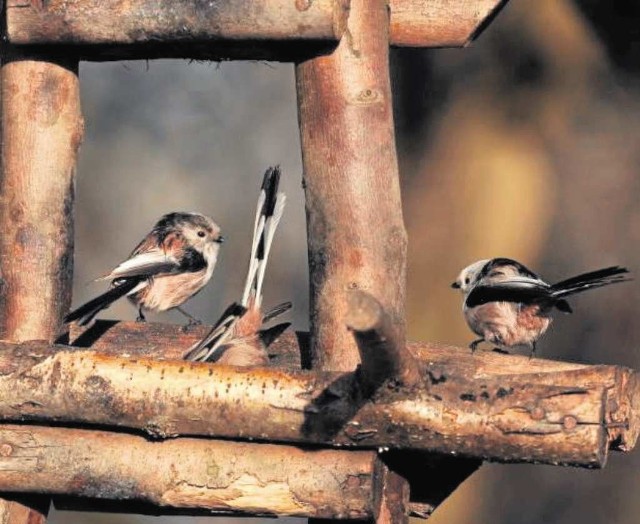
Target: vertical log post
(41,133)
(355,229)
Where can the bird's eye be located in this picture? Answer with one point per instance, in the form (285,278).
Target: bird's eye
(201,234)
(467,280)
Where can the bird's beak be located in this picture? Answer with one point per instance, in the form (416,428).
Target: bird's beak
(455,285)
(220,239)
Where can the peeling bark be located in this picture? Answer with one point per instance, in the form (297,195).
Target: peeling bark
(187,473)
(559,417)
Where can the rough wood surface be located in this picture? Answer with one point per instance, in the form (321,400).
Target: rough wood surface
(187,473)
(40,134)
(112,29)
(383,357)
(355,231)
(169,342)
(391,496)
(558,417)
(440,23)
(99,29)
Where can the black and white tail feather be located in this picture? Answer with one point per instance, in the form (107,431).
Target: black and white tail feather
(86,313)
(269,211)
(534,290)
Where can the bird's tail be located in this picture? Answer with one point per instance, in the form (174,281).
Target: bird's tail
(268,214)
(86,312)
(591,280)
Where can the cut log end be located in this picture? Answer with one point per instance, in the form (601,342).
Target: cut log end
(365,313)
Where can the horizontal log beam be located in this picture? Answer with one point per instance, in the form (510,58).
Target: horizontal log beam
(291,350)
(283,30)
(556,417)
(191,474)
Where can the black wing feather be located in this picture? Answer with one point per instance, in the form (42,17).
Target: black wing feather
(499,292)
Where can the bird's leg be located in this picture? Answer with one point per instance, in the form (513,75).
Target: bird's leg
(533,350)
(474,345)
(193,321)
(141,317)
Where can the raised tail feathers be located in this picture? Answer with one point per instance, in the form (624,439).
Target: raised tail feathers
(269,211)
(268,214)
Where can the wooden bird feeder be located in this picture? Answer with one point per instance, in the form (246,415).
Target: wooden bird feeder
(377,427)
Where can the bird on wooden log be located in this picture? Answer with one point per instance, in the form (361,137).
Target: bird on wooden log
(508,305)
(171,264)
(237,338)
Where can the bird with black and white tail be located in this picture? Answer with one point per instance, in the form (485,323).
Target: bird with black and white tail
(237,337)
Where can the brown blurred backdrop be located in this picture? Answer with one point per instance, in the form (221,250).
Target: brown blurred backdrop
(524,145)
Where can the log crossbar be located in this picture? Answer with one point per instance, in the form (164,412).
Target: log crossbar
(283,30)
(469,405)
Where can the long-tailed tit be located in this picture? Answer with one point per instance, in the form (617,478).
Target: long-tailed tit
(508,305)
(171,264)
(237,339)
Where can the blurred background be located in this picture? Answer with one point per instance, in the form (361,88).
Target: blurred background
(526,145)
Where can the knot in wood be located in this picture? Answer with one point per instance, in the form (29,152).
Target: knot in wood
(569,422)
(537,413)
(303,5)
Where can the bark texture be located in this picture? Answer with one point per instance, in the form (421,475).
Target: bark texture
(170,342)
(187,473)
(440,23)
(383,357)
(100,29)
(41,132)
(355,231)
(556,417)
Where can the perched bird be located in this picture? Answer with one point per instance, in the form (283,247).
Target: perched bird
(508,305)
(171,264)
(237,339)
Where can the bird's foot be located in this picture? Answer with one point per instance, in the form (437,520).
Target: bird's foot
(474,345)
(501,351)
(191,323)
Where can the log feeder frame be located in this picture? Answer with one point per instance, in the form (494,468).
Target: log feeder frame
(371,427)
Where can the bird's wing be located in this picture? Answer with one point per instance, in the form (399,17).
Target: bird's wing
(513,290)
(154,255)
(144,265)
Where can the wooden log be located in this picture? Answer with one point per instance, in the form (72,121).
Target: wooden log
(40,133)
(103,30)
(355,231)
(170,342)
(557,418)
(440,23)
(218,476)
(391,496)
(383,357)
